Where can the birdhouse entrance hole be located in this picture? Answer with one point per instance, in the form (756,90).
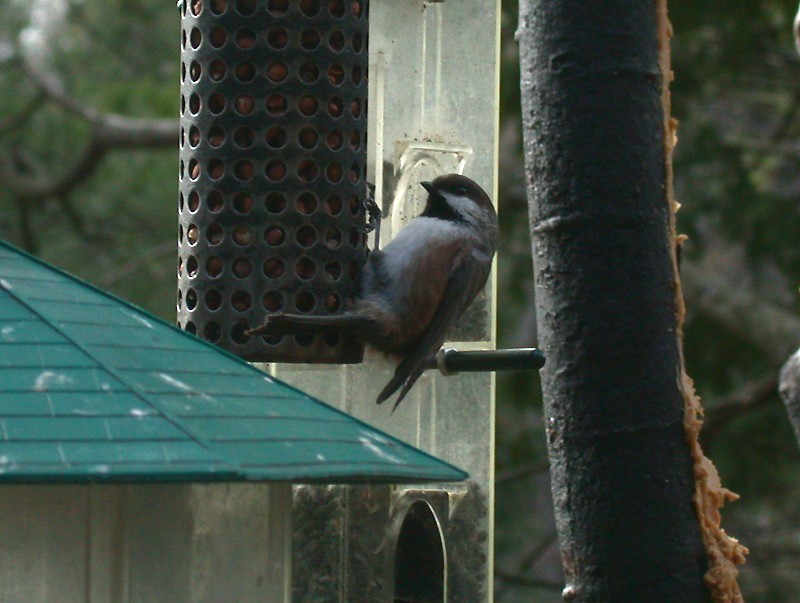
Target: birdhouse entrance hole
(419,563)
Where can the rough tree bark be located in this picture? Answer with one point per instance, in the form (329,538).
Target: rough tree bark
(622,471)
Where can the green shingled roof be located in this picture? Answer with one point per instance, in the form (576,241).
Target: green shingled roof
(95,389)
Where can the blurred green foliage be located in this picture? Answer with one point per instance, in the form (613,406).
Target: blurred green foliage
(737,97)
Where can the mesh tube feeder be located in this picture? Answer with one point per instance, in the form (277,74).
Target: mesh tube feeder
(272,170)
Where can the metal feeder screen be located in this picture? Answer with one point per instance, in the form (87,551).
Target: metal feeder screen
(272,170)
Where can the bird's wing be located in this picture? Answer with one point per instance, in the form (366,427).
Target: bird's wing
(464,283)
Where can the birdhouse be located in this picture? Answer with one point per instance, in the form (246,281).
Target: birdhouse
(139,464)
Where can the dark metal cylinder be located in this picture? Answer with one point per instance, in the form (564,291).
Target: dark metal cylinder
(272,170)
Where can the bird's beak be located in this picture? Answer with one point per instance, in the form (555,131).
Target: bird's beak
(428,186)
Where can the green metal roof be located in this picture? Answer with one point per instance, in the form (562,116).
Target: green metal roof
(94,389)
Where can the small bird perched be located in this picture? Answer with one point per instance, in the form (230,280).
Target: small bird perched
(413,290)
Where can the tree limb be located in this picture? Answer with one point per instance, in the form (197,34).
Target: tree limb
(774,330)
(748,398)
(12,122)
(109,131)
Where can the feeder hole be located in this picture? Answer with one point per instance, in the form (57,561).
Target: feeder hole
(216,70)
(335,74)
(242,235)
(274,235)
(306,236)
(216,103)
(275,203)
(212,332)
(219,6)
(274,268)
(241,301)
(275,137)
(192,234)
(278,7)
(214,267)
(245,7)
(242,268)
(245,71)
(333,205)
(335,107)
(306,203)
(273,301)
(277,72)
(304,301)
(333,270)
(194,201)
(243,203)
(310,8)
(217,37)
(335,140)
(238,335)
(245,39)
(277,37)
(215,201)
(305,268)
(336,41)
(419,561)
(332,303)
(307,105)
(337,8)
(276,104)
(275,170)
(333,172)
(307,138)
(216,136)
(333,237)
(244,104)
(213,299)
(309,73)
(194,136)
(214,234)
(191,266)
(191,299)
(309,39)
(307,170)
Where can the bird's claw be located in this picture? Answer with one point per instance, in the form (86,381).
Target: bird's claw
(374,212)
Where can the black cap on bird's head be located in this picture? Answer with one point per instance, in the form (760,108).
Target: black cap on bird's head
(447,189)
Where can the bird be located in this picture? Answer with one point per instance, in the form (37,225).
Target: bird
(413,290)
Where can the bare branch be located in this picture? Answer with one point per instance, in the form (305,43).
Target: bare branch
(12,122)
(109,131)
(122,272)
(752,397)
(774,330)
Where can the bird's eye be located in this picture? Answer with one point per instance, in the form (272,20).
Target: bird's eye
(461,191)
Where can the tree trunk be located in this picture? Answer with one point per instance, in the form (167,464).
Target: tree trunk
(596,163)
